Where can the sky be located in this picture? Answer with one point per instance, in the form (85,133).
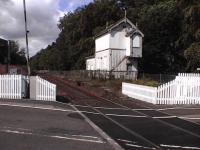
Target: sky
(42,16)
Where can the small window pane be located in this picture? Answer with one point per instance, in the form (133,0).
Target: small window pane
(136,41)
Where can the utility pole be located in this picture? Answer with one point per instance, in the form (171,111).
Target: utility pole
(8,56)
(27,48)
(27,51)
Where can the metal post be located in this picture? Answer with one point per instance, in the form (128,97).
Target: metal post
(26,31)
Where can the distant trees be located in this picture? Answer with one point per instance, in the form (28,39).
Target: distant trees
(161,24)
(171,29)
(3,50)
(17,56)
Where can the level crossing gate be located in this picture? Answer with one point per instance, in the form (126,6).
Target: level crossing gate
(17,87)
(184,89)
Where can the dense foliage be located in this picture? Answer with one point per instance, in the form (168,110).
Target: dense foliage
(171,29)
(17,56)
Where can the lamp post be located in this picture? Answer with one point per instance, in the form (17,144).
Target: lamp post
(27,48)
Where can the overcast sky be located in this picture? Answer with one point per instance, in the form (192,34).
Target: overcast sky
(43,16)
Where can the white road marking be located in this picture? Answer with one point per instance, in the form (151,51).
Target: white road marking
(125,115)
(102,107)
(88,112)
(190,118)
(165,117)
(112,108)
(144,109)
(138,146)
(56,136)
(22,129)
(43,108)
(37,107)
(100,131)
(176,146)
(85,136)
(63,110)
(127,141)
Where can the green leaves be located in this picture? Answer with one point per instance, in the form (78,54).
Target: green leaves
(171,29)
(192,54)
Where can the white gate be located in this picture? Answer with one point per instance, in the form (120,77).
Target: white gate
(185,89)
(41,89)
(13,86)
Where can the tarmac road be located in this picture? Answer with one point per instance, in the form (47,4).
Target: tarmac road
(140,128)
(164,131)
(31,126)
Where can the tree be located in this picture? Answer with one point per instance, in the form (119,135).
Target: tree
(171,31)
(160,24)
(192,54)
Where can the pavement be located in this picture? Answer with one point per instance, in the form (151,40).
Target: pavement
(34,125)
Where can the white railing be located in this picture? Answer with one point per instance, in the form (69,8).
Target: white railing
(12,86)
(45,90)
(185,89)
(140,92)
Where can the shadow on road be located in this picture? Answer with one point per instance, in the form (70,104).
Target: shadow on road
(62,99)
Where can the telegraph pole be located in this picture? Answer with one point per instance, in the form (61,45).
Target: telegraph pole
(8,56)
(27,48)
(27,51)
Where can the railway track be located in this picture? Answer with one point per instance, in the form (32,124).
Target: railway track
(142,128)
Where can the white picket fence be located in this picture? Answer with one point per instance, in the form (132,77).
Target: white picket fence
(185,89)
(13,86)
(45,90)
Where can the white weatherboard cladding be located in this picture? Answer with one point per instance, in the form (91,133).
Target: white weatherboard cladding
(118,56)
(118,40)
(90,64)
(102,43)
(128,47)
(102,60)
(117,48)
